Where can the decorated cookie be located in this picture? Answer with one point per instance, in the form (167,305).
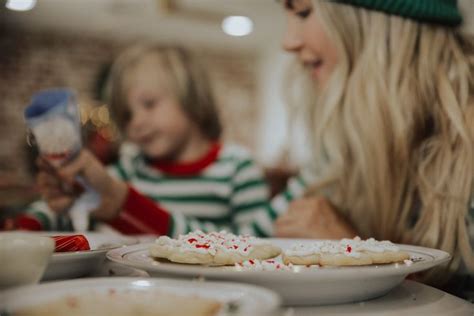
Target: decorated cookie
(217,248)
(346,252)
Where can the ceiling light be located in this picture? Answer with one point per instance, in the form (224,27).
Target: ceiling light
(237,25)
(20,5)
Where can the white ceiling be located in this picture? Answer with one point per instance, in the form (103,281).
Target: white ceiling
(193,22)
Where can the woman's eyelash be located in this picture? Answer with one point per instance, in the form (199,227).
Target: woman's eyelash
(304,13)
(149,103)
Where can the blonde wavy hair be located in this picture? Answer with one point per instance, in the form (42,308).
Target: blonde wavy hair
(393,130)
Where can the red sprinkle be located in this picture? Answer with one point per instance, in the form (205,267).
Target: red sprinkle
(206,246)
(191,240)
(349,249)
(251,261)
(71,302)
(235,246)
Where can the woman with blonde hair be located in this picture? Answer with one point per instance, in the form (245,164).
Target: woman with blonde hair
(391,119)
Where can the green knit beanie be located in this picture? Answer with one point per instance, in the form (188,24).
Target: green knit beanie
(432,11)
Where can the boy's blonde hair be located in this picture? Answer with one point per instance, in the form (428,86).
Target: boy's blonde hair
(393,131)
(188,82)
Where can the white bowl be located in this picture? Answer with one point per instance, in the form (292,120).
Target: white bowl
(23,258)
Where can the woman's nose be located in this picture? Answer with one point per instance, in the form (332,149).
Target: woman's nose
(292,41)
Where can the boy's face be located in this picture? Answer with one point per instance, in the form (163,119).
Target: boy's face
(157,122)
(308,40)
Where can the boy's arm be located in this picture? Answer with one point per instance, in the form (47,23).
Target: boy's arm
(141,215)
(252,213)
(295,189)
(259,221)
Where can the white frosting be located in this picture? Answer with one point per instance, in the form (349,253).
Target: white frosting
(264,265)
(371,245)
(200,242)
(57,135)
(348,247)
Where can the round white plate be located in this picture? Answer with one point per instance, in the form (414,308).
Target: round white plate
(301,285)
(246,299)
(65,265)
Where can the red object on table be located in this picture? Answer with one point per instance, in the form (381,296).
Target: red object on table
(71,243)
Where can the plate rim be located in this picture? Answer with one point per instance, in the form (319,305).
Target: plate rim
(60,256)
(272,303)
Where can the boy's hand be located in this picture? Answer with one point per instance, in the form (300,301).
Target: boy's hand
(313,218)
(59,187)
(53,190)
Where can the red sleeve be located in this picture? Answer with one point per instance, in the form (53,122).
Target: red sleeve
(141,215)
(25,222)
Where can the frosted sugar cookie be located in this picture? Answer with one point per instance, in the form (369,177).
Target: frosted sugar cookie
(346,252)
(325,252)
(217,248)
(301,255)
(379,251)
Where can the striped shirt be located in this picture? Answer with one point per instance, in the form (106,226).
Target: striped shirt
(228,193)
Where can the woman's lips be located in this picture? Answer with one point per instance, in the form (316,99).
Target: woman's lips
(315,68)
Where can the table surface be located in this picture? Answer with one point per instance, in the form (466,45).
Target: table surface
(410,298)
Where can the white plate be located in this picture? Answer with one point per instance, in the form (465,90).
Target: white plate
(246,299)
(65,265)
(301,285)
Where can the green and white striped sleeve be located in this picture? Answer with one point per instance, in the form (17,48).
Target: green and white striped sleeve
(251,213)
(295,189)
(47,220)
